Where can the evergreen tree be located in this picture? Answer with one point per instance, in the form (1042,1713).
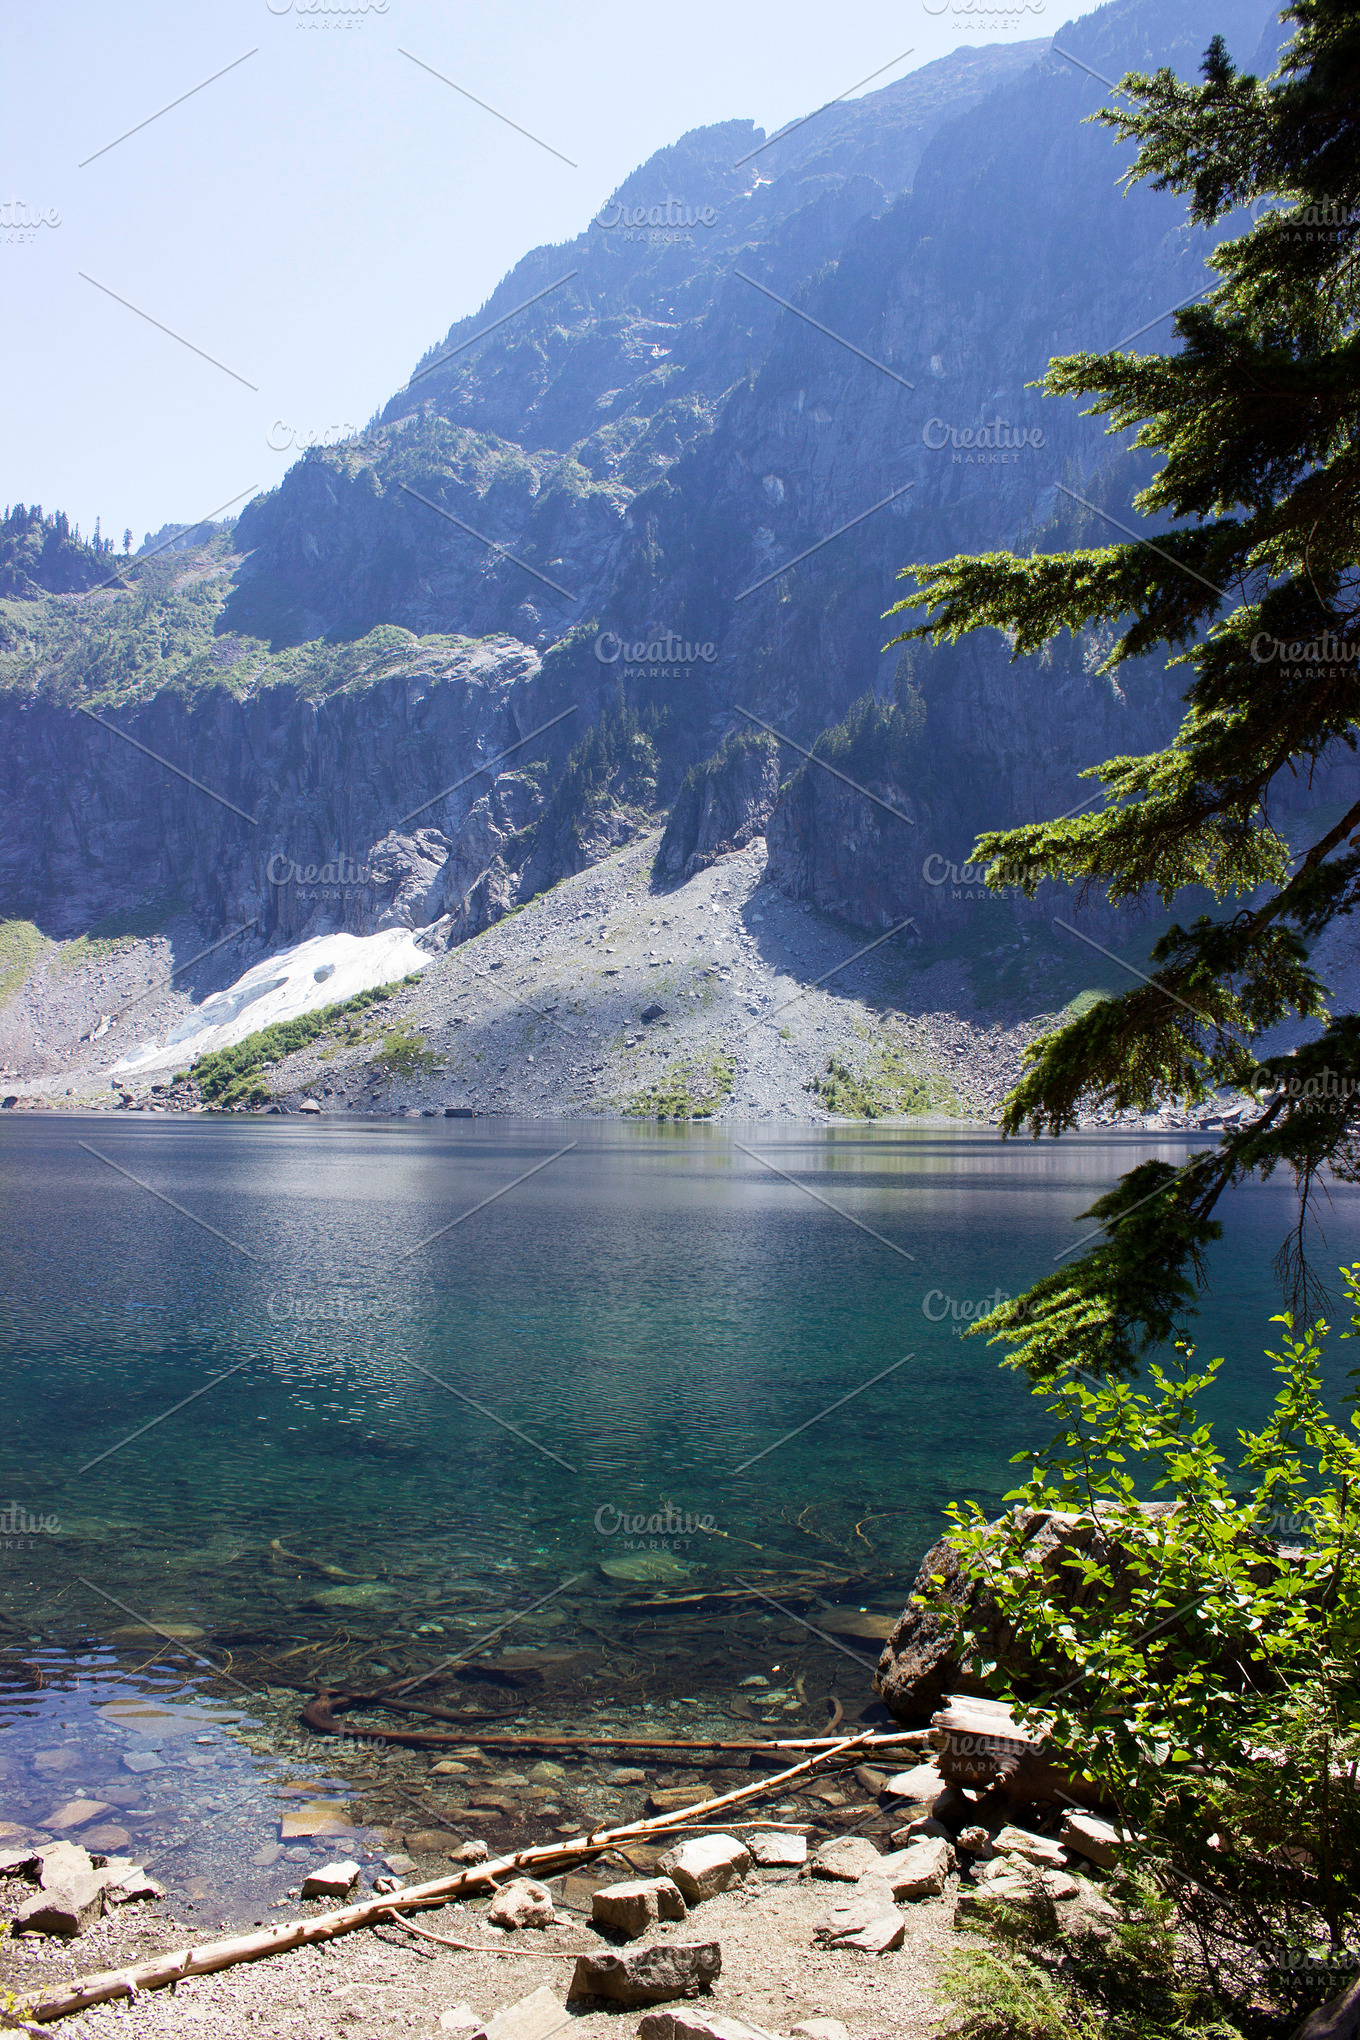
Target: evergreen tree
(1255,588)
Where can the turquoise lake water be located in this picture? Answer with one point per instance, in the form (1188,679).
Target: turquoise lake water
(399,1382)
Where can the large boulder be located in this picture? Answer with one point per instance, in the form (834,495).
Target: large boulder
(921,1664)
(649,1976)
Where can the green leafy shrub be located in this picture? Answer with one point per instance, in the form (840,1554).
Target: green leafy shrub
(1201,1661)
(227,1077)
(21,944)
(404,1054)
(692,1090)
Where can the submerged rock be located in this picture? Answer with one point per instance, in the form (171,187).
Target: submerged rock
(665,1798)
(646,1567)
(363,1594)
(332,1880)
(76,1813)
(315,1817)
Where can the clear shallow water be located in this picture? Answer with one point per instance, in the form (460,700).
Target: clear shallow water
(326,1441)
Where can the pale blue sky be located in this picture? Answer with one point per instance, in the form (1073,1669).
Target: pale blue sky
(318,216)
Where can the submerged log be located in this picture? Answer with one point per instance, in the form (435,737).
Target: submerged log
(322,1715)
(316,1565)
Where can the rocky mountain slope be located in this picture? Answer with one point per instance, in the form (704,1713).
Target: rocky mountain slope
(715,999)
(624,551)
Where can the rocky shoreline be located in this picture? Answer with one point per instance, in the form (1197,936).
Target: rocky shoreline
(744,1930)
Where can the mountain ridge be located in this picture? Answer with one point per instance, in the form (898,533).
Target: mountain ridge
(396,657)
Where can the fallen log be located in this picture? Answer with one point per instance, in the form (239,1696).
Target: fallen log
(321,1715)
(175,1965)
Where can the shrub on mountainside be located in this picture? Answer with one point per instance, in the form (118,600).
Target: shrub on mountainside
(228,1075)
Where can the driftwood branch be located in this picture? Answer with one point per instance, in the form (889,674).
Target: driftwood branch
(549,1857)
(476,1948)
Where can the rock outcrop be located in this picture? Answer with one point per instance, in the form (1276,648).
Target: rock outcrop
(921,1664)
(722,805)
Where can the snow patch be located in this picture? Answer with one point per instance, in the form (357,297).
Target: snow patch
(302,980)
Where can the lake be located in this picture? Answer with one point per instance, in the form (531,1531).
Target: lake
(340,1401)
